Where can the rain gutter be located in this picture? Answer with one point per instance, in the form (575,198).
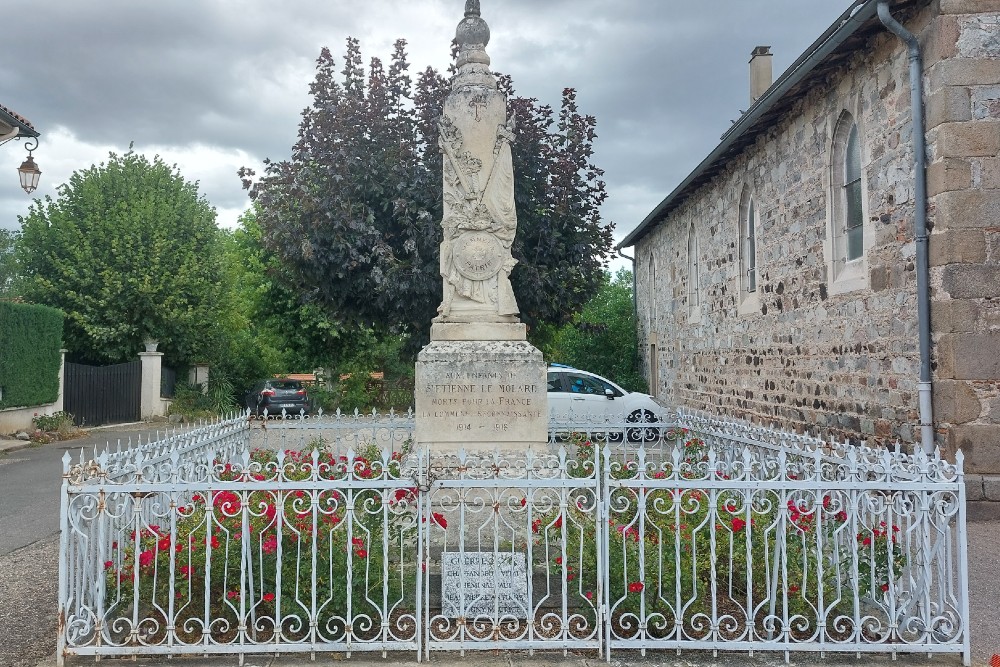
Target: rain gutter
(919,221)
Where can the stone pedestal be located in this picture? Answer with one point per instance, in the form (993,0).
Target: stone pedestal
(150,403)
(481,394)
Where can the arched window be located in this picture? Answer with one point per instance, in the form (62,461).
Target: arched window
(651,281)
(694,278)
(854,219)
(748,244)
(846,233)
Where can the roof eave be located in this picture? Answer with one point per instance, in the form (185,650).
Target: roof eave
(23,129)
(856,15)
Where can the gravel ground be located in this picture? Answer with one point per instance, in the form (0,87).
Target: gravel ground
(29,581)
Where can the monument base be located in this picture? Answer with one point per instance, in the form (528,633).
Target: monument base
(471,331)
(480,395)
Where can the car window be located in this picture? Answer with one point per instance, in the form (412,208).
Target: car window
(585,384)
(608,385)
(285,384)
(555,382)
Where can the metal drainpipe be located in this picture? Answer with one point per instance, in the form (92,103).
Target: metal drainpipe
(920,221)
(635,305)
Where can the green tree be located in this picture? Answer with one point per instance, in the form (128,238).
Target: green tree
(279,332)
(129,251)
(354,215)
(602,338)
(293,336)
(8,266)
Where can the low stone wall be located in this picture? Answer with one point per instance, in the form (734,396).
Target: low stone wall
(982,492)
(13,420)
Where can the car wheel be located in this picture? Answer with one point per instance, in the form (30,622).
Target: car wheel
(642,434)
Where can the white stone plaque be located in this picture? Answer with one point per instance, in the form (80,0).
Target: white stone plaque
(481,395)
(482,582)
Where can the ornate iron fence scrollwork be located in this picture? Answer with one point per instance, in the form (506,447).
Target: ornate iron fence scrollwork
(330,533)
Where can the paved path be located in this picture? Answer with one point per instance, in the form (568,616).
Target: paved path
(29,483)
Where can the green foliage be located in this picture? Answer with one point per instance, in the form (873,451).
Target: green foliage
(351,565)
(355,389)
(602,338)
(8,266)
(277,333)
(54,422)
(354,215)
(128,251)
(30,340)
(191,403)
(57,426)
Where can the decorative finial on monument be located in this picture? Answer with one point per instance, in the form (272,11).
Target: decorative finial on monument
(472,36)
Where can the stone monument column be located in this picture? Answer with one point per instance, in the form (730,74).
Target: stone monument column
(479,383)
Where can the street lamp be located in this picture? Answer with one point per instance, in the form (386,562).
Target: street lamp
(29,171)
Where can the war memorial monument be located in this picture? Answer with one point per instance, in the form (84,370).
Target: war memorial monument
(479,383)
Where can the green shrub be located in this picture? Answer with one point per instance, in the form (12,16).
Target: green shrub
(191,403)
(303,541)
(30,337)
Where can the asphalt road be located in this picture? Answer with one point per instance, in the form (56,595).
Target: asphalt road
(30,480)
(29,551)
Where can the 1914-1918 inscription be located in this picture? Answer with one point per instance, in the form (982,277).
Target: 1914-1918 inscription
(480,583)
(481,395)
(481,402)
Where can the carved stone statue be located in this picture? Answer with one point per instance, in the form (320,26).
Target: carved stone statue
(479,217)
(479,383)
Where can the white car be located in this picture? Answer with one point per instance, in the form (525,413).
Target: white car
(579,397)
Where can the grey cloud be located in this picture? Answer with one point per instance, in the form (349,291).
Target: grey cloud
(663,77)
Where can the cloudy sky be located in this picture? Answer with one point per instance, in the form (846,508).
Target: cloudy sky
(212,85)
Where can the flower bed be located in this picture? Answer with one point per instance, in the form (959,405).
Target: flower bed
(725,561)
(287,553)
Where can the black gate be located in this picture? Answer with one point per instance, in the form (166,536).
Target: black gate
(97,395)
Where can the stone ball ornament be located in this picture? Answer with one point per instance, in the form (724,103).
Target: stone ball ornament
(472,30)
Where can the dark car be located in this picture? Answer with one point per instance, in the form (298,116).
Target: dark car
(275,395)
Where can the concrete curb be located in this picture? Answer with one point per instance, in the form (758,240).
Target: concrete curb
(14,445)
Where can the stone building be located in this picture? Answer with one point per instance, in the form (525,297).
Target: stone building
(779,281)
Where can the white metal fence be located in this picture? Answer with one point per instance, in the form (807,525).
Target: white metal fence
(330,534)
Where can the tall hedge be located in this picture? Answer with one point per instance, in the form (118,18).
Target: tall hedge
(30,339)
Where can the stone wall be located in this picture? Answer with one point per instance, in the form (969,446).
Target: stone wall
(814,353)
(963,181)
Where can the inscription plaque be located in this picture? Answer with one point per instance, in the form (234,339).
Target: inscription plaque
(479,400)
(484,582)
